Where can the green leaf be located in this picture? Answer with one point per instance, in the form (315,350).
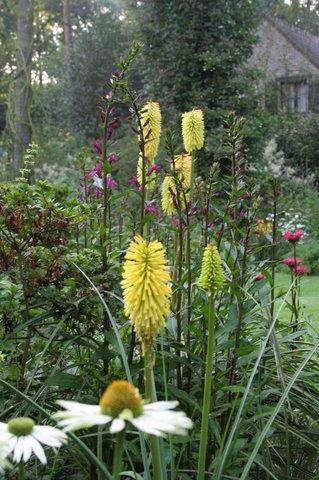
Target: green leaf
(64,380)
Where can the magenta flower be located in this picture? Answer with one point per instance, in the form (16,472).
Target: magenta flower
(292,262)
(96,144)
(97,170)
(174,221)
(244,196)
(113,158)
(110,182)
(109,133)
(150,208)
(300,270)
(154,169)
(293,236)
(135,182)
(260,276)
(109,95)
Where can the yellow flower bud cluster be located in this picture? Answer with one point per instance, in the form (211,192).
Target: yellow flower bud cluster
(193,130)
(212,276)
(151,120)
(146,289)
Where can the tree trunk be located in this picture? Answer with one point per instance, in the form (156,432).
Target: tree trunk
(22,128)
(67,26)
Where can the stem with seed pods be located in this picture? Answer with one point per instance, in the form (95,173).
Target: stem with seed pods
(207,387)
(118,455)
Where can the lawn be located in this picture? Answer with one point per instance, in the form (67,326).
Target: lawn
(309,295)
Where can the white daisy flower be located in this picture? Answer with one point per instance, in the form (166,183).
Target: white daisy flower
(21,437)
(122,405)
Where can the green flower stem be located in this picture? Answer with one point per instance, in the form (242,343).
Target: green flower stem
(118,455)
(150,395)
(207,388)
(21,471)
(294,292)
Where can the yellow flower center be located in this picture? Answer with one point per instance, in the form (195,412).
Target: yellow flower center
(21,426)
(121,396)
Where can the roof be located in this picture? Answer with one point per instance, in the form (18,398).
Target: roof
(305,42)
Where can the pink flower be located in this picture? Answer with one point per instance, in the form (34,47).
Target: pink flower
(134,181)
(96,144)
(293,236)
(86,189)
(174,221)
(96,171)
(150,208)
(154,169)
(113,158)
(244,196)
(300,270)
(260,276)
(109,95)
(291,261)
(110,182)
(109,133)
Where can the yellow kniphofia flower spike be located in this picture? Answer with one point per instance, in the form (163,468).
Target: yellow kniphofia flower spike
(193,130)
(146,289)
(151,120)
(212,276)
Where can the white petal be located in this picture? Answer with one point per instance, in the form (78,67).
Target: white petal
(18,450)
(5,437)
(27,450)
(3,428)
(77,407)
(117,425)
(38,450)
(10,445)
(77,422)
(49,436)
(145,426)
(161,405)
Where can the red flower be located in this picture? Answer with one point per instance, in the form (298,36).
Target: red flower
(260,276)
(300,270)
(291,261)
(293,236)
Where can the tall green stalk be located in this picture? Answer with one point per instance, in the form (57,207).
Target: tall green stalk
(207,388)
(118,455)
(21,471)
(150,394)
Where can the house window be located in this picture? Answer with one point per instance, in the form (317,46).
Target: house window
(295,96)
